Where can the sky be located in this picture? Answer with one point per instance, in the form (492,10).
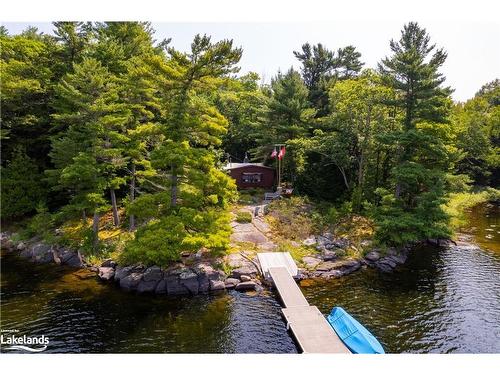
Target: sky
(473,45)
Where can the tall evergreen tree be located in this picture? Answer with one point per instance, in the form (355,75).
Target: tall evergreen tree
(191,193)
(289,111)
(321,67)
(138,93)
(118,42)
(349,64)
(75,38)
(414,211)
(88,153)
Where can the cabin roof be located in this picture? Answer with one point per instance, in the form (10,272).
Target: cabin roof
(230,166)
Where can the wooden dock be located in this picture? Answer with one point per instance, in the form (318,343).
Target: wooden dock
(289,291)
(311,330)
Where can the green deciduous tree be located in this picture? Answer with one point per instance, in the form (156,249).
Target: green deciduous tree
(477,126)
(26,69)
(359,115)
(244,105)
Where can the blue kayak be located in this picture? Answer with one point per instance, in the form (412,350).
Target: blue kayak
(356,337)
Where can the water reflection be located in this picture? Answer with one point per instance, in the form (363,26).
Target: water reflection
(442,301)
(86,316)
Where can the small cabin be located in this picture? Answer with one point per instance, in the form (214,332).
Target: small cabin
(252,175)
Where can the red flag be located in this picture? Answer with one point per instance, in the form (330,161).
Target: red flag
(274,153)
(282,153)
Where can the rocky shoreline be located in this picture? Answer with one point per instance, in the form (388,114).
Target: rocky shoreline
(198,275)
(194,275)
(330,261)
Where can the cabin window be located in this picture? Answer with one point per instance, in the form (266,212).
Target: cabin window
(252,178)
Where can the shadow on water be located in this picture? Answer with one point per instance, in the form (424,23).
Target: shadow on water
(443,300)
(83,315)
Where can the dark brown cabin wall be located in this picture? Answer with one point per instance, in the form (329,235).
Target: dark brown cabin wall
(268,176)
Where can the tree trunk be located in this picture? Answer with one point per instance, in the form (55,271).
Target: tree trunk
(173,188)
(95,229)
(116,218)
(397,193)
(361,174)
(342,171)
(132,195)
(84,216)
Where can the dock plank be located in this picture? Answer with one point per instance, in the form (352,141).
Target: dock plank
(287,288)
(277,259)
(312,331)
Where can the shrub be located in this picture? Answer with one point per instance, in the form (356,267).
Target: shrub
(243,217)
(292,218)
(397,225)
(162,241)
(41,224)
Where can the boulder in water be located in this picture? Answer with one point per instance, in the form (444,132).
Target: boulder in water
(106,273)
(131,281)
(247,285)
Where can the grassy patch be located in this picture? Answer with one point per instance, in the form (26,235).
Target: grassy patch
(250,196)
(238,247)
(298,218)
(297,252)
(459,203)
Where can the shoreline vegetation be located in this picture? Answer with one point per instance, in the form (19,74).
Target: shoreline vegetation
(319,252)
(113,148)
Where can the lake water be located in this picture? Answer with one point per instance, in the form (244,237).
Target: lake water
(441,301)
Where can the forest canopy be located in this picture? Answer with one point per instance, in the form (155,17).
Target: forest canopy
(101,119)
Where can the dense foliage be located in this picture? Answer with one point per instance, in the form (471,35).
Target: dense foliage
(99,120)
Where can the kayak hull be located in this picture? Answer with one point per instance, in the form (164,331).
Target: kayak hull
(356,337)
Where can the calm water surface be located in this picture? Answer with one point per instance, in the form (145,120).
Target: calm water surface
(442,301)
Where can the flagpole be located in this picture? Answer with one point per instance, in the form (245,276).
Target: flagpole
(279,169)
(279,165)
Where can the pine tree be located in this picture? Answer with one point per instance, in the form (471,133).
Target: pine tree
(139,96)
(191,193)
(118,42)
(88,151)
(289,112)
(423,157)
(321,67)
(75,38)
